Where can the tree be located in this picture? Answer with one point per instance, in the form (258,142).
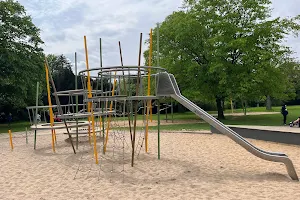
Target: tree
(64,78)
(61,70)
(21,57)
(226,48)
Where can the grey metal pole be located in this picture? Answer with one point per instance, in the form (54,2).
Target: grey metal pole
(76,99)
(166,111)
(60,111)
(172,112)
(36,111)
(26,135)
(102,94)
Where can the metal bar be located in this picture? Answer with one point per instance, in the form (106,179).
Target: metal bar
(26,135)
(136,104)
(102,89)
(59,106)
(36,111)
(158,129)
(50,107)
(90,106)
(76,99)
(172,114)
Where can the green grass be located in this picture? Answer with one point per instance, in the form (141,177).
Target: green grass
(175,127)
(179,127)
(264,120)
(14,127)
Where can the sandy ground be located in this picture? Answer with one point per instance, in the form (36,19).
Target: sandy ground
(192,166)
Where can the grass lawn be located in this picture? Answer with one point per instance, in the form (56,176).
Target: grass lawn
(15,126)
(264,120)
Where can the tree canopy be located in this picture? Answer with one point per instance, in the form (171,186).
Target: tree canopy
(226,48)
(21,56)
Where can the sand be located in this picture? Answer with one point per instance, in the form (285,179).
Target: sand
(192,166)
(162,122)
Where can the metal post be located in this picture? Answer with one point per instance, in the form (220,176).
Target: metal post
(76,99)
(26,135)
(158,129)
(157,55)
(90,104)
(34,139)
(59,106)
(136,102)
(172,113)
(10,140)
(36,111)
(102,94)
(166,111)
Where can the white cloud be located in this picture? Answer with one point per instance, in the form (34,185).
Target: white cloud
(288,8)
(65,22)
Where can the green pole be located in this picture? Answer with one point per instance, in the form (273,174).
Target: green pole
(26,136)
(76,99)
(158,102)
(34,139)
(36,111)
(157,56)
(172,110)
(166,111)
(158,129)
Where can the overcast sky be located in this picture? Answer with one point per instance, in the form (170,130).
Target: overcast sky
(65,22)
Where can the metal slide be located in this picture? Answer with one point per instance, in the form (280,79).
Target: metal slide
(167,86)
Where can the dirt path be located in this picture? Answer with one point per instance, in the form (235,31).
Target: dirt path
(249,113)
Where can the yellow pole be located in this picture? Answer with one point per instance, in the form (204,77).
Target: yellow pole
(88,85)
(50,107)
(109,117)
(10,140)
(90,103)
(148,93)
(54,135)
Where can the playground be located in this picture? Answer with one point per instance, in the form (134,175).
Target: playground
(113,163)
(104,146)
(191,119)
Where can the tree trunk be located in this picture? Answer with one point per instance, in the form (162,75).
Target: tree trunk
(220,108)
(223,104)
(269,103)
(245,107)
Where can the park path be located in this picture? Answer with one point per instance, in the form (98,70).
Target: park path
(249,113)
(163,121)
